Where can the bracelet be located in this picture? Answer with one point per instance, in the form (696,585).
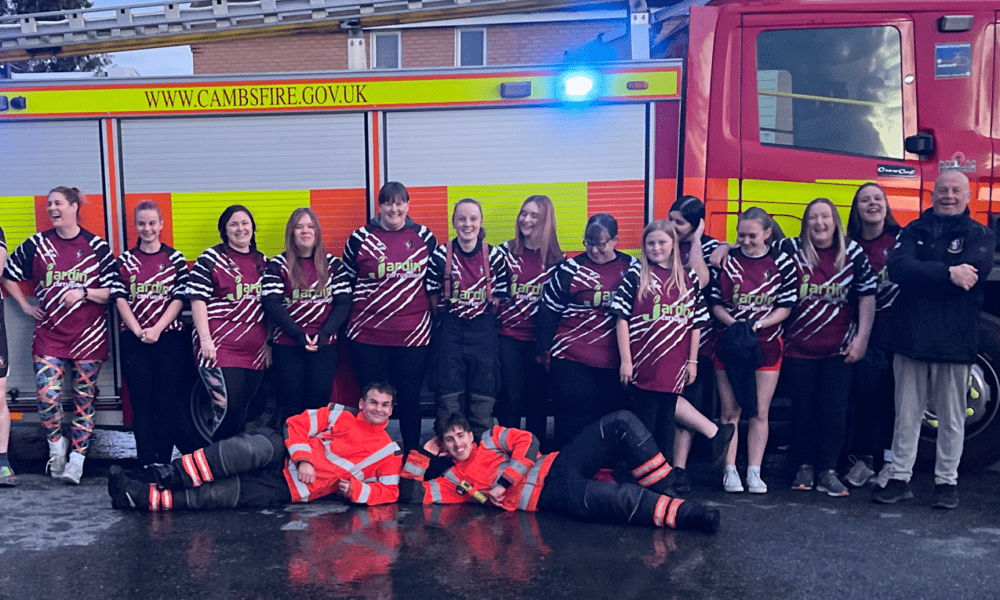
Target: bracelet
(85,293)
(692,361)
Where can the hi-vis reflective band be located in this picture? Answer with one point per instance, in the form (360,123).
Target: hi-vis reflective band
(268,95)
(529,486)
(648,466)
(300,487)
(356,469)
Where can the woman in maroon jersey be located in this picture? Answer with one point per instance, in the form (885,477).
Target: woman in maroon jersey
(660,313)
(756,285)
(826,333)
(149,295)
(230,337)
(466,279)
(389,330)
(307,303)
(687,215)
(576,330)
(73,271)
(531,257)
(872,405)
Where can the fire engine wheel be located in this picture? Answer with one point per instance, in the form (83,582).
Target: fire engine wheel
(982,423)
(194,425)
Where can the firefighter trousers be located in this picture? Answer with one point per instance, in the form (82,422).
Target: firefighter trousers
(466,364)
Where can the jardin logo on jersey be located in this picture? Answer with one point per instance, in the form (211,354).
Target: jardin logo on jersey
(750,301)
(525,291)
(600,298)
(667,311)
(53,276)
(310,294)
(388,268)
(147,289)
(833,290)
(244,289)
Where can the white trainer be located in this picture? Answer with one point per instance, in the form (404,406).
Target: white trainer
(859,474)
(74,469)
(731,480)
(57,458)
(755,484)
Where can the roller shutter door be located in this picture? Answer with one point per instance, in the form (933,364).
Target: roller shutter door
(271,164)
(587,160)
(36,157)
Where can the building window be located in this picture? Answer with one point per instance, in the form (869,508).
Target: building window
(386,50)
(836,89)
(470,47)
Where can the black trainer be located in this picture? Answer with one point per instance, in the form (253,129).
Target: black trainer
(694,516)
(945,496)
(720,442)
(893,492)
(681,483)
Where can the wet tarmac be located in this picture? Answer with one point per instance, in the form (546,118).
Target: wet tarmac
(63,541)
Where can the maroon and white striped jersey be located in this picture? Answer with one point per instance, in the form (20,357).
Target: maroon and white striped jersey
(710,331)
(825,319)
(581,290)
(230,285)
(754,287)
(149,283)
(55,265)
(527,277)
(877,251)
(659,327)
(385,271)
(708,245)
(468,279)
(308,306)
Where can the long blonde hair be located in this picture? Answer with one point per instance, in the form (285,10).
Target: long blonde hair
(838,237)
(677,279)
(295,272)
(545,232)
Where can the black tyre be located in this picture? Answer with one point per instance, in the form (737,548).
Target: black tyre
(195,423)
(982,426)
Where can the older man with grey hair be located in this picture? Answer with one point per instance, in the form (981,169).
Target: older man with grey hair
(940,263)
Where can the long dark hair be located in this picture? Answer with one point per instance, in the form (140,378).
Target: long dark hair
(854,227)
(295,271)
(597,224)
(691,208)
(227,214)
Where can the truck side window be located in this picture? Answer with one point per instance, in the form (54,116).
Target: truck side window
(837,89)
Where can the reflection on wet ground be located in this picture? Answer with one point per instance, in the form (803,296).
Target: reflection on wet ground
(58,541)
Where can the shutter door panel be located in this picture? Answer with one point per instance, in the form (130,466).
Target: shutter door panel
(585,159)
(36,157)
(271,164)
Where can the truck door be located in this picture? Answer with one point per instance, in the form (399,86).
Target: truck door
(954,98)
(826,104)
(36,157)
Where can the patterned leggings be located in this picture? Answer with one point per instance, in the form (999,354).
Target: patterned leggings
(49,372)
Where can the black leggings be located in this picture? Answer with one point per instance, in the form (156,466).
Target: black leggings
(656,411)
(156,392)
(303,379)
(524,387)
(819,389)
(404,368)
(231,390)
(581,395)
(872,407)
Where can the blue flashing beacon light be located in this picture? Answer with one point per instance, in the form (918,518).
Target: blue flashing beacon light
(578,86)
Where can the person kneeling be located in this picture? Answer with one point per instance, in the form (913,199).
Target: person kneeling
(505,469)
(331,450)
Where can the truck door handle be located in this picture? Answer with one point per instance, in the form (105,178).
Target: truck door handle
(921,144)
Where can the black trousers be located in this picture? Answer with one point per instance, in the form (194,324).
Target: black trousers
(872,405)
(404,368)
(570,488)
(304,379)
(581,395)
(524,387)
(155,379)
(819,389)
(466,368)
(656,411)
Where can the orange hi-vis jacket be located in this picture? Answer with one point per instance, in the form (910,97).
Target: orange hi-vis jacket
(341,444)
(504,456)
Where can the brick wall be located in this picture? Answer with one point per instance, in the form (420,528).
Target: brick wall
(529,43)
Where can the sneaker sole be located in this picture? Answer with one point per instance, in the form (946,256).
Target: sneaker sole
(732,490)
(826,490)
(758,490)
(894,499)
(802,488)
(944,505)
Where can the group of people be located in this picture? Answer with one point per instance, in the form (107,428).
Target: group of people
(501,329)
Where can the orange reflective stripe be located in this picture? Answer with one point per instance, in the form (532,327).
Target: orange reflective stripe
(191,470)
(661,509)
(648,466)
(167,499)
(656,475)
(154,498)
(202,462)
(675,503)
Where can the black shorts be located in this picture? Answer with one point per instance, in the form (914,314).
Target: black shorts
(4,362)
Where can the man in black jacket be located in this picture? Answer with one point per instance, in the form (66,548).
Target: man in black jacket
(940,263)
